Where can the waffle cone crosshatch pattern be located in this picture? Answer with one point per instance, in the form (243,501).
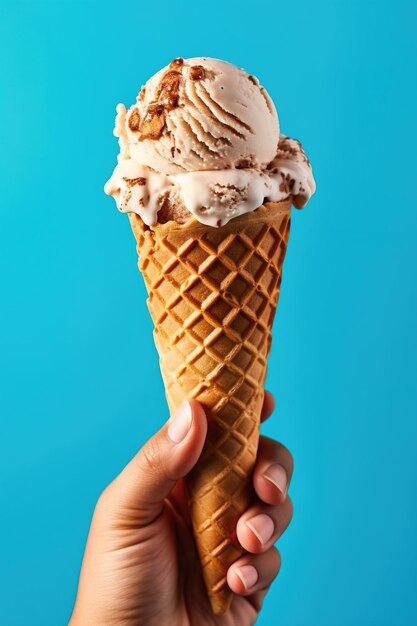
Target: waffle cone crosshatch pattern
(212,296)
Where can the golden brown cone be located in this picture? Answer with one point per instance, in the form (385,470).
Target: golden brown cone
(212,297)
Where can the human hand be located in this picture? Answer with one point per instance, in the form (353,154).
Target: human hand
(140,565)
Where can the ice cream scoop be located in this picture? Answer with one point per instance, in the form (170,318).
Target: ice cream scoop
(202,114)
(203,140)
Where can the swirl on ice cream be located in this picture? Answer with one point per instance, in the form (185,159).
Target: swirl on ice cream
(203,140)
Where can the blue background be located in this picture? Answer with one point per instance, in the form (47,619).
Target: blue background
(80,386)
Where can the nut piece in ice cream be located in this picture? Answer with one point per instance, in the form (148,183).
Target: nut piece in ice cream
(153,123)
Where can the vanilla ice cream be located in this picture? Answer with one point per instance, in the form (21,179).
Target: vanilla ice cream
(203,140)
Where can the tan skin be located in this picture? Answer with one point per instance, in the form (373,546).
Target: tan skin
(140,566)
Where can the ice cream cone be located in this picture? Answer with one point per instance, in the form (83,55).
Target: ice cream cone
(212,297)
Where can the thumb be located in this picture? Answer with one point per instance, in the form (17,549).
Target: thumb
(139,491)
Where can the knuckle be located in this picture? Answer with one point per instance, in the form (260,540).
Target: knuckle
(150,458)
(282,516)
(276,452)
(275,559)
(105,501)
(290,506)
(287,457)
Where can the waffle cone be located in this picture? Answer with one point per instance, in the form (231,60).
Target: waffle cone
(212,297)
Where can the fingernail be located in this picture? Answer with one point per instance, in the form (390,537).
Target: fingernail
(277,475)
(262,526)
(180,423)
(248,575)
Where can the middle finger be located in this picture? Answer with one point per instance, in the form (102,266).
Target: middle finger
(272,472)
